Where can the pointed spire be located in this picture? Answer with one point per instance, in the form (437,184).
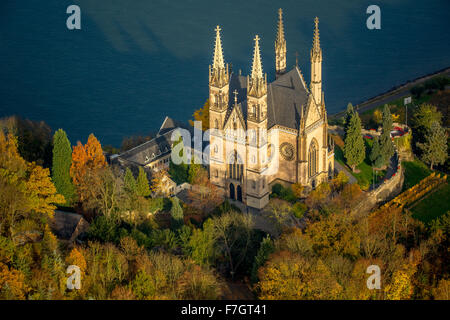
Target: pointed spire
(257,66)
(280,47)
(218,62)
(280,33)
(316,41)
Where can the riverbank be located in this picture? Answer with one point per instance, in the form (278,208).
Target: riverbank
(393,94)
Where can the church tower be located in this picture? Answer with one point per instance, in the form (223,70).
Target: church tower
(257,189)
(316,66)
(280,47)
(219,80)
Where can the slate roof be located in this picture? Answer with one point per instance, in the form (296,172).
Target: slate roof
(157,147)
(285,97)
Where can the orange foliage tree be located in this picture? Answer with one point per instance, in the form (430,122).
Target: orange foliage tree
(87,160)
(204,196)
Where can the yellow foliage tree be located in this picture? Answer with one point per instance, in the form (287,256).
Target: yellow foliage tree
(76,258)
(297,188)
(41,191)
(401,287)
(26,188)
(378,116)
(12,284)
(202,115)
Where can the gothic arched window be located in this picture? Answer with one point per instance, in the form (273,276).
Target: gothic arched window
(313,158)
(235,167)
(216,124)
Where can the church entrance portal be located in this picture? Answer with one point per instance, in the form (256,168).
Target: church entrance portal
(232,191)
(239,193)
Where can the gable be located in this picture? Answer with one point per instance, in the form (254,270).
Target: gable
(312,113)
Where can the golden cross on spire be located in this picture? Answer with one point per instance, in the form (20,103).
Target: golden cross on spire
(217,29)
(256,38)
(235,96)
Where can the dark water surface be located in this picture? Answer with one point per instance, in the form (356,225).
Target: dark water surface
(135,61)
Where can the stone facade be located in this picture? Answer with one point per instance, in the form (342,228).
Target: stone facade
(265,133)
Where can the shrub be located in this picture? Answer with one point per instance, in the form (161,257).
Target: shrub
(299,209)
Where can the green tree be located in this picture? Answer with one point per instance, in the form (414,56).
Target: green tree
(265,249)
(354,148)
(434,149)
(62,160)
(194,169)
(376,156)
(348,115)
(142,187)
(202,244)
(387,119)
(129,182)
(179,172)
(176,212)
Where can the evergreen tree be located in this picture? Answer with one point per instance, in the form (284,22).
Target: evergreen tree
(376,156)
(386,147)
(129,182)
(176,212)
(62,160)
(387,119)
(385,141)
(265,249)
(348,115)
(354,148)
(434,149)
(142,187)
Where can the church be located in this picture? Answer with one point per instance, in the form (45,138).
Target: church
(254,123)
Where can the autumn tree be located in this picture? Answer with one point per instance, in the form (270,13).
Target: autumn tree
(289,276)
(202,115)
(62,160)
(87,161)
(354,148)
(159,183)
(378,116)
(204,196)
(27,191)
(297,188)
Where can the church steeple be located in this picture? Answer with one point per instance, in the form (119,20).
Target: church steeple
(316,66)
(280,47)
(218,62)
(257,83)
(218,78)
(218,73)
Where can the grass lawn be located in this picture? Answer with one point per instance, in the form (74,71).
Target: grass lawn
(433,206)
(414,172)
(365,176)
